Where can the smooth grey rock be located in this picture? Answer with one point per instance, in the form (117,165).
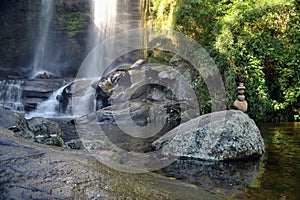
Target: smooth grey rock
(35,171)
(223,135)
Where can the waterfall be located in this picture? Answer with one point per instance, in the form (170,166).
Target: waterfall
(11,95)
(108,18)
(104,13)
(47,8)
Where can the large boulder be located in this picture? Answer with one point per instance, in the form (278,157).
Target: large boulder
(224,135)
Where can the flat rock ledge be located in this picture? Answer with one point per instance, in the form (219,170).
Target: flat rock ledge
(35,171)
(218,136)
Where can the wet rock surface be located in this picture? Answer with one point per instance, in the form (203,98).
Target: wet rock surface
(224,135)
(35,171)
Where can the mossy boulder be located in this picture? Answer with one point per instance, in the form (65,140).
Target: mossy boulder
(46,131)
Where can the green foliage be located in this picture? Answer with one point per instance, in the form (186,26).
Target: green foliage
(163,13)
(73,22)
(256,42)
(205,101)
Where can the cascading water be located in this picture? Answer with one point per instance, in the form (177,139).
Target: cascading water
(47,8)
(11,95)
(78,90)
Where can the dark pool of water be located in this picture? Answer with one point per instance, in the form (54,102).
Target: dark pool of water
(275,176)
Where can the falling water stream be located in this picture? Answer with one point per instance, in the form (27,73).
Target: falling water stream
(47,9)
(110,17)
(48,109)
(104,14)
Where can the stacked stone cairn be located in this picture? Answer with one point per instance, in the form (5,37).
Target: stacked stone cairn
(241,103)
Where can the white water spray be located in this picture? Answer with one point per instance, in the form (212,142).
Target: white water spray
(109,17)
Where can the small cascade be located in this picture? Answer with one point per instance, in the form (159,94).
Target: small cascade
(11,95)
(79,93)
(47,8)
(48,108)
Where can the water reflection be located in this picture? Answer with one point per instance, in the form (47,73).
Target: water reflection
(281,177)
(275,176)
(220,177)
